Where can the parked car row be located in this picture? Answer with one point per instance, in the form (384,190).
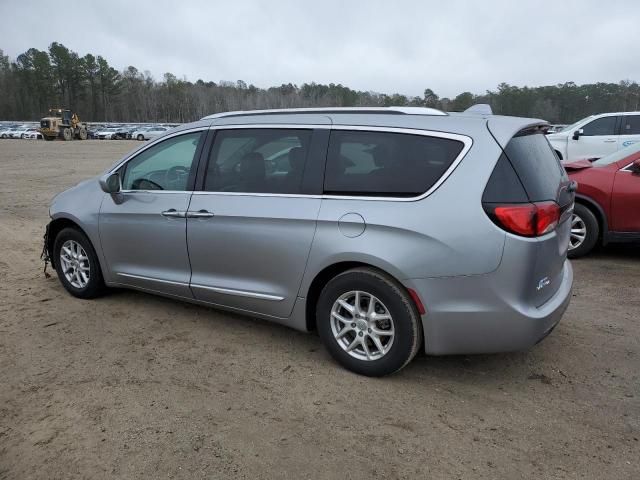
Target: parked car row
(127,132)
(109,131)
(25,131)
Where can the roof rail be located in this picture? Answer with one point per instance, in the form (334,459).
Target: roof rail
(480,109)
(376,110)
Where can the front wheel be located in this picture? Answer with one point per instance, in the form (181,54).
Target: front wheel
(77,264)
(140,137)
(368,322)
(584,232)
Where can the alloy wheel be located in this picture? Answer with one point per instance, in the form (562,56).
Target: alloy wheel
(578,232)
(362,325)
(74,262)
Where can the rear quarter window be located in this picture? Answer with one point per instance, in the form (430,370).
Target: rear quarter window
(385,163)
(536,165)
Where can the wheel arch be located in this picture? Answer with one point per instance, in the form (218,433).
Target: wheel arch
(329,272)
(55,227)
(598,211)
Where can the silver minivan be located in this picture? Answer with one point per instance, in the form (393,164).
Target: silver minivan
(386,230)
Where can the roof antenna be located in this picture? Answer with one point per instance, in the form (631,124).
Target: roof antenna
(480,109)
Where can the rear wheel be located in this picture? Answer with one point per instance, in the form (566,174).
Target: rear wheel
(368,322)
(140,137)
(67,134)
(584,231)
(77,264)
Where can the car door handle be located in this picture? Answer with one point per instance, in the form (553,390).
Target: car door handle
(200,214)
(610,141)
(173,213)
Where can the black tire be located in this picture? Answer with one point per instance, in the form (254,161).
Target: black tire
(140,137)
(590,222)
(95,286)
(406,321)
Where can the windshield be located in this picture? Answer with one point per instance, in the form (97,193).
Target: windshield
(574,125)
(617,156)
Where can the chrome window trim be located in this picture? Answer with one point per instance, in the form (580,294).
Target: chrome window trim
(466,141)
(627,168)
(151,143)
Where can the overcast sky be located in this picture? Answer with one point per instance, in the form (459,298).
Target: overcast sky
(384,46)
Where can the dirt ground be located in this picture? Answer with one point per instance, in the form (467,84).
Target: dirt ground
(137,386)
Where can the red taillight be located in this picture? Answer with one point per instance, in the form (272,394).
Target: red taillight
(528,219)
(547,217)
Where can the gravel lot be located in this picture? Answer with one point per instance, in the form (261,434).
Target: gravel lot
(137,386)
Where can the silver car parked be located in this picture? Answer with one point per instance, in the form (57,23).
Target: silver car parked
(383,229)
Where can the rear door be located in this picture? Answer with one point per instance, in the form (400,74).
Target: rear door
(625,200)
(250,228)
(544,179)
(629,130)
(599,138)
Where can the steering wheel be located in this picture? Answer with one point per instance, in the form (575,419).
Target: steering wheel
(175,173)
(138,184)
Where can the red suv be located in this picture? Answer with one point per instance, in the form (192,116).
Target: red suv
(607,201)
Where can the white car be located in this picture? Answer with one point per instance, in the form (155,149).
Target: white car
(32,134)
(596,136)
(6,132)
(106,133)
(148,133)
(20,132)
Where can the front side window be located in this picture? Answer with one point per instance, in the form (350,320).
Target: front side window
(164,166)
(600,126)
(386,164)
(630,125)
(261,160)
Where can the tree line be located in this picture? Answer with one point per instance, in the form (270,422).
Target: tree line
(59,77)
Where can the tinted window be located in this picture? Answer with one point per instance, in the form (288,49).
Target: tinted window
(504,186)
(630,125)
(381,163)
(600,126)
(258,160)
(537,166)
(164,166)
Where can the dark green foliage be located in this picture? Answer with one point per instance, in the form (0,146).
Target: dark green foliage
(37,80)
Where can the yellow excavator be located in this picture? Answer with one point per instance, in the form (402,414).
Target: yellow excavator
(62,123)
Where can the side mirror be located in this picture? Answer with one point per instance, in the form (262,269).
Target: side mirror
(578,133)
(635,167)
(110,183)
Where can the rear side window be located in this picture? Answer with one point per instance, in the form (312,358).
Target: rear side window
(630,125)
(600,126)
(536,166)
(386,164)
